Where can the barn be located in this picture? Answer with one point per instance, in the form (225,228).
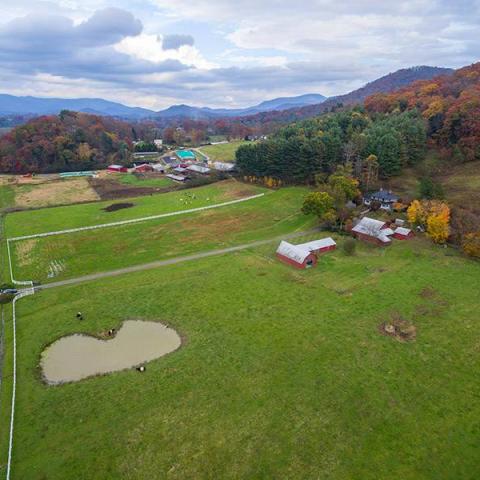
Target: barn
(296,256)
(373,231)
(319,246)
(144,167)
(402,233)
(117,168)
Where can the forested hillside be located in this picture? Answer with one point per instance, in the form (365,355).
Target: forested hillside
(397,128)
(301,150)
(450,106)
(67,142)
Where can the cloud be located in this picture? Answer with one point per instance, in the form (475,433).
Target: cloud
(174,42)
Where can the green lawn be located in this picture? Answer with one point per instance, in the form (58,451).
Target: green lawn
(224,152)
(116,247)
(282,373)
(143,181)
(60,218)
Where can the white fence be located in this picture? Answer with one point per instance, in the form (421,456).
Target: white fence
(135,220)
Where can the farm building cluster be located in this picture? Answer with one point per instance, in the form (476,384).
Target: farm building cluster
(178,165)
(379,232)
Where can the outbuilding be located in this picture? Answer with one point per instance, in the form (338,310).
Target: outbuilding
(198,169)
(373,231)
(385,198)
(320,246)
(402,233)
(176,178)
(117,168)
(296,256)
(144,167)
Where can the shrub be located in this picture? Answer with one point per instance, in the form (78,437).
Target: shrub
(349,247)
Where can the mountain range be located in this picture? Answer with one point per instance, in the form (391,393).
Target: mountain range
(12,105)
(309,103)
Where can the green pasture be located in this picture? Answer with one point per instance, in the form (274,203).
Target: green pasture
(283,374)
(224,152)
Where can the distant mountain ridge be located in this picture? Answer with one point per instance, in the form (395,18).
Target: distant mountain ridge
(12,105)
(283,108)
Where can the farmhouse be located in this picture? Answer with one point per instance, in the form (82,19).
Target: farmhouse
(117,168)
(384,197)
(306,254)
(402,233)
(373,231)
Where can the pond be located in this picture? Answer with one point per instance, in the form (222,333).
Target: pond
(79,356)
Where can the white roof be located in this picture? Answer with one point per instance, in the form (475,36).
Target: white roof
(178,178)
(294,252)
(387,231)
(318,244)
(224,166)
(402,231)
(198,169)
(115,166)
(369,226)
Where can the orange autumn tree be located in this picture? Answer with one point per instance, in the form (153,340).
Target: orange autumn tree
(433,215)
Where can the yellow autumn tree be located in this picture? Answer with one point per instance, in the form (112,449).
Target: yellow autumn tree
(416,213)
(437,228)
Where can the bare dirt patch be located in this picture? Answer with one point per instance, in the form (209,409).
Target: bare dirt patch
(110,189)
(55,192)
(398,328)
(117,206)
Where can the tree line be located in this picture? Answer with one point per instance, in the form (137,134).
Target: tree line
(302,150)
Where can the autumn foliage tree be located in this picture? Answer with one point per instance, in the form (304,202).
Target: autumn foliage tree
(432,215)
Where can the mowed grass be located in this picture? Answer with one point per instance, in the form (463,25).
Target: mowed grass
(282,373)
(61,218)
(106,249)
(224,152)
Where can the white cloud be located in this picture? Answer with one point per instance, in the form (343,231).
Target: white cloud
(149,47)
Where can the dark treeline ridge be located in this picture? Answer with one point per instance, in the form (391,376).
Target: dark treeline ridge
(69,141)
(300,151)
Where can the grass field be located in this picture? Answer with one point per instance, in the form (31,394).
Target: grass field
(86,252)
(59,218)
(143,180)
(282,373)
(224,152)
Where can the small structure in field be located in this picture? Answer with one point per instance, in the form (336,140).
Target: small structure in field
(373,231)
(198,169)
(176,178)
(117,168)
(402,233)
(385,198)
(304,255)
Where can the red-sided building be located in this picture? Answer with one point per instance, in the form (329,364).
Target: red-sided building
(304,255)
(117,168)
(402,233)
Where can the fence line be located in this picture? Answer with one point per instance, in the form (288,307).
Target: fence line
(136,220)
(23,293)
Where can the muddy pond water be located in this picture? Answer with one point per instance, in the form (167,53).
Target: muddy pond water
(78,356)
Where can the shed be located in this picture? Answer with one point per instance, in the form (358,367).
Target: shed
(402,233)
(198,169)
(144,167)
(117,168)
(296,256)
(177,178)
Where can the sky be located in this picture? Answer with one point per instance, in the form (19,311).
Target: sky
(217,53)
